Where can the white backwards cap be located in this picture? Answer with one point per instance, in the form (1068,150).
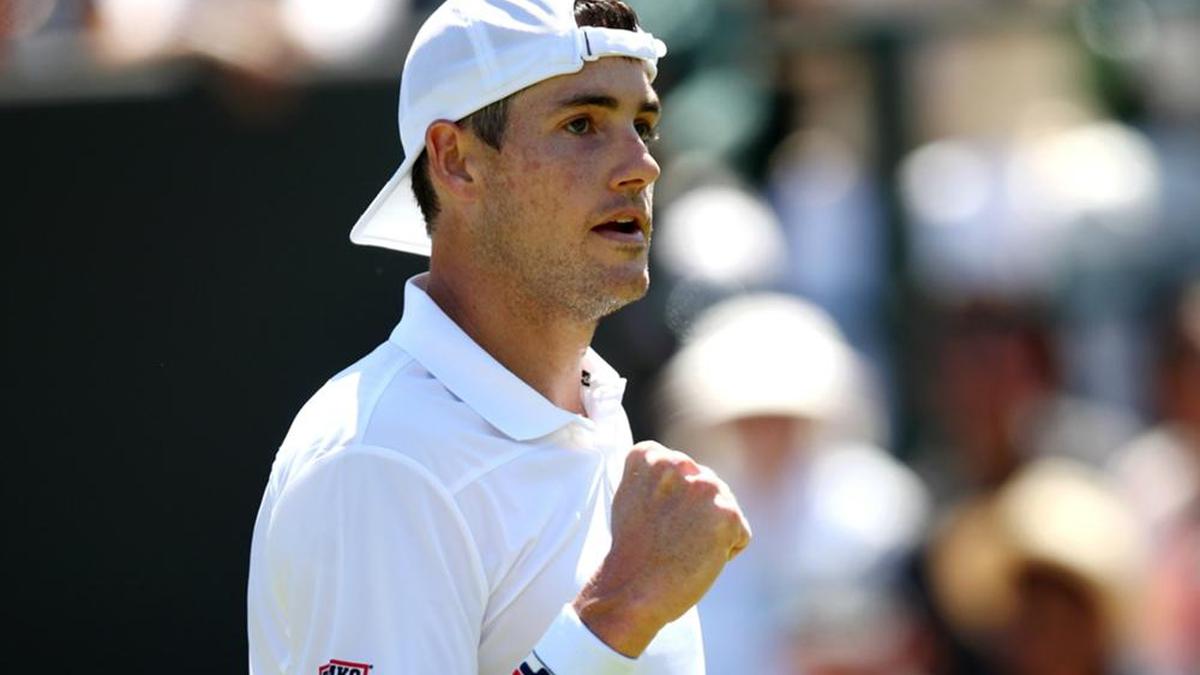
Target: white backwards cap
(468,55)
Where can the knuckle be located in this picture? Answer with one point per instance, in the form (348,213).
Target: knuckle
(679,461)
(707,472)
(705,488)
(734,516)
(722,486)
(659,462)
(636,456)
(668,478)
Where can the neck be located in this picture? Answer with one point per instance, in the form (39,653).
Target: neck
(533,341)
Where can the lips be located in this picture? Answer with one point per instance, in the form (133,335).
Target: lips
(627,227)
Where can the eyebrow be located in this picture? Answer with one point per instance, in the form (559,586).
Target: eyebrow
(606,101)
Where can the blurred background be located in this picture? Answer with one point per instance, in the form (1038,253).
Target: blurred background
(924,289)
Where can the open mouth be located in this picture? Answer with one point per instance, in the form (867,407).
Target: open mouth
(626,227)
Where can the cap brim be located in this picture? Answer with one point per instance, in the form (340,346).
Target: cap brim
(394,220)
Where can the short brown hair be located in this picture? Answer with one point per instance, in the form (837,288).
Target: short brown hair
(490,122)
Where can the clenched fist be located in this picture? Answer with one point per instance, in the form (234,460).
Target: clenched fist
(675,524)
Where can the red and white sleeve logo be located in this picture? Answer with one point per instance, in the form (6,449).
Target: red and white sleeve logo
(336,667)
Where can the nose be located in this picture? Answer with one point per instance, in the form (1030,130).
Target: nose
(638,169)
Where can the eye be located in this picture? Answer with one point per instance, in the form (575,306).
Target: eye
(647,131)
(579,126)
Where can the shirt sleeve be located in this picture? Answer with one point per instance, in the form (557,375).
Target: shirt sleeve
(569,648)
(372,564)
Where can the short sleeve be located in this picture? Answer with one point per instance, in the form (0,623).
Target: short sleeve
(372,563)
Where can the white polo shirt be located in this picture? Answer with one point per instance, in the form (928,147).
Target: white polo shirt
(429,512)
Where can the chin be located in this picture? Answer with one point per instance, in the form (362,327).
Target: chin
(609,292)
(631,287)
(631,277)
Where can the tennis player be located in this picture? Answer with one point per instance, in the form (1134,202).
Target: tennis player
(467,498)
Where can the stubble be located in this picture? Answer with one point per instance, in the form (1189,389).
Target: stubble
(546,277)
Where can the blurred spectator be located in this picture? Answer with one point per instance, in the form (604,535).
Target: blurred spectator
(68,48)
(998,404)
(766,391)
(1042,576)
(821,181)
(1160,473)
(696,243)
(997,399)
(819,185)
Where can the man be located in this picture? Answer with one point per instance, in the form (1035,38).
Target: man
(449,503)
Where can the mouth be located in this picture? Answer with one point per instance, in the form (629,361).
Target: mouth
(624,229)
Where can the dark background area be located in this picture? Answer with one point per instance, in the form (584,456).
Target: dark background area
(167,317)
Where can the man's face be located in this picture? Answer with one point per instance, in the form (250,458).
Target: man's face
(565,214)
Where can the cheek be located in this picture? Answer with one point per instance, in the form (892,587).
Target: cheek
(552,163)
(532,165)
(550,177)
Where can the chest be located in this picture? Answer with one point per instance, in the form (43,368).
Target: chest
(541,548)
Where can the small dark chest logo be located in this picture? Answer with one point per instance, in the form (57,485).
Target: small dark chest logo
(336,667)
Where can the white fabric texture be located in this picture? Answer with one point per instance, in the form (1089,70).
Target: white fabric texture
(430,512)
(573,649)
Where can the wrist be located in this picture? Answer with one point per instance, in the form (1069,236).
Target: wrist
(618,616)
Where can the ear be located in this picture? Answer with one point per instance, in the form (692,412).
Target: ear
(450,149)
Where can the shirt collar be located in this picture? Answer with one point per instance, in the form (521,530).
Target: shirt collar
(470,373)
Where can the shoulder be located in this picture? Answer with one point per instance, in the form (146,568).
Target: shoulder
(338,414)
(390,403)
